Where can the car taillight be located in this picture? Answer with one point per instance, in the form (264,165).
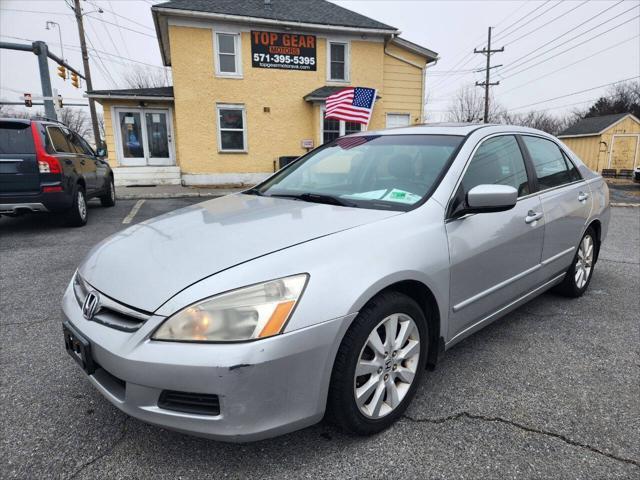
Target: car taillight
(46,163)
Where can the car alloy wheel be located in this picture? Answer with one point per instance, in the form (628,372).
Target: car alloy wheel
(387,366)
(82,205)
(584,264)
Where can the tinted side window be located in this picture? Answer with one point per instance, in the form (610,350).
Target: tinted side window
(74,143)
(497,161)
(84,145)
(549,162)
(59,140)
(573,171)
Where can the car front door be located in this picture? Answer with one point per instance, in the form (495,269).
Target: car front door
(494,257)
(86,161)
(566,203)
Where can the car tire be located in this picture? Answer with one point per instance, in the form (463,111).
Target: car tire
(77,215)
(371,402)
(578,277)
(109,200)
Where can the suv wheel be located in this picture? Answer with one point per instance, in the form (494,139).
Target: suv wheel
(109,200)
(77,214)
(578,276)
(378,365)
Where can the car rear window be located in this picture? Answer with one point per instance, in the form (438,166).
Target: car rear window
(16,138)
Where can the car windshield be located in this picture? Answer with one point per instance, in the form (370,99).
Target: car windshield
(369,171)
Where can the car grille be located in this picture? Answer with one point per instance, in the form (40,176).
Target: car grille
(198,403)
(110,312)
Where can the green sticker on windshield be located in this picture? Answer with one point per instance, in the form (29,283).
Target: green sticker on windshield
(401,196)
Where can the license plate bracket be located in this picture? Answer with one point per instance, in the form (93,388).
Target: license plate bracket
(78,347)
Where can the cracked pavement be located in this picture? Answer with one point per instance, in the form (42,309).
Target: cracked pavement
(550,391)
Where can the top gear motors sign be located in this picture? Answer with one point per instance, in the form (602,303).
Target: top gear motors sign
(289,51)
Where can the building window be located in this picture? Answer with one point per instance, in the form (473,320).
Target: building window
(232,128)
(228,54)
(332,128)
(338,61)
(398,120)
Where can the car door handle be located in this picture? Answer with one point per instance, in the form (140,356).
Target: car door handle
(532,216)
(582,196)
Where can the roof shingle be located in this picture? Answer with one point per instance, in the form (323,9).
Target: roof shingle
(135,92)
(303,11)
(592,125)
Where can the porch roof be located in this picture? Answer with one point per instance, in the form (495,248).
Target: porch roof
(153,93)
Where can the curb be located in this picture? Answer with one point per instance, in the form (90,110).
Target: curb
(620,204)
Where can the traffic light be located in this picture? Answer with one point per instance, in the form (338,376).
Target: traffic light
(59,101)
(27,100)
(62,72)
(75,80)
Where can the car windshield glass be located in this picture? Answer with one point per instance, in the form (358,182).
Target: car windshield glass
(368,171)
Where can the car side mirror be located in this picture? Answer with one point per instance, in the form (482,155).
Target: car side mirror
(101,153)
(491,198)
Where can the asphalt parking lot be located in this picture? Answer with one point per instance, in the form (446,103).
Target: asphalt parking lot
(550,391)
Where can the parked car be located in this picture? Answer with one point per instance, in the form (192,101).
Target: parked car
(331,286)
(47,167)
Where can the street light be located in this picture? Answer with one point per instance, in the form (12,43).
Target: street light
(49,26)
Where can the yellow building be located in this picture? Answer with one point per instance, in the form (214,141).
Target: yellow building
(606,142)
(250,79)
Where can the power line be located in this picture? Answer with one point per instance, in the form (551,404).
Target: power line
(506,29)
(545,24)
(588,57)
(122,26)
(112,12)
(126,48)
(514,64)
(565,51)
(35,11)
(575,93)
(533,19)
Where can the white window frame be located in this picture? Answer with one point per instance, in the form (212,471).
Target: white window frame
(347,61)
(342,129)
(232,106)
(237,46)
(396,114)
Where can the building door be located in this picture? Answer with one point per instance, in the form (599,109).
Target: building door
(144,137)
(398,120)
(624,151)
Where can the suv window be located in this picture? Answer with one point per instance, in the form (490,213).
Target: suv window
(16,138)
(85,146)
(74,143)
(498,161)
(549,163)
(59,140)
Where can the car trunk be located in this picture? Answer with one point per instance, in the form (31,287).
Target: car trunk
(19,171)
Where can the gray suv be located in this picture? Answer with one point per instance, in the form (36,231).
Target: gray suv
(46,167)
(327,289)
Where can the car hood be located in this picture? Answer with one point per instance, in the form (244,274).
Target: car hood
(145,265)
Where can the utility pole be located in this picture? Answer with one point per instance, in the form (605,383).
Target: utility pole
(87,72)
(487,83)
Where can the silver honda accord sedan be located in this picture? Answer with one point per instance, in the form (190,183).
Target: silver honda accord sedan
(329,288)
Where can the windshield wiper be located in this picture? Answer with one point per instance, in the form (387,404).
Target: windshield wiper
(315,198)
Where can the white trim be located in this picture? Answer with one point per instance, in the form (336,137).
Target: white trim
(347,61)
(342,126)
(224,178)
(237,46)
(415,48)
(130,97)
(604,130)
(232,106)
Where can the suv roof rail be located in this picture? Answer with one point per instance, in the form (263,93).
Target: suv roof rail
(39,117)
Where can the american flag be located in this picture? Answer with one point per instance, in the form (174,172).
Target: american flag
(353,104)
(349,142)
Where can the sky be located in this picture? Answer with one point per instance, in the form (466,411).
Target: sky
(552,48)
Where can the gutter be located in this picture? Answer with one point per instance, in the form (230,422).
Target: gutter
(423,69)
(129,97)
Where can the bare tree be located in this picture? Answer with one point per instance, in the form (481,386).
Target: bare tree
(146,77)
(620,98)
(468,106)
(76,119)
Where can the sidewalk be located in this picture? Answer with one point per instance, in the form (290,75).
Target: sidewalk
(172,191)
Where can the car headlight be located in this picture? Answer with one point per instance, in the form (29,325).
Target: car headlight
(256,311)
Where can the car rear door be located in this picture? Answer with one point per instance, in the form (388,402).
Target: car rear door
(566,202)
(494,257)
(19,173)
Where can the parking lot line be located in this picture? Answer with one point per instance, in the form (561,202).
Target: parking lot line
(133,212)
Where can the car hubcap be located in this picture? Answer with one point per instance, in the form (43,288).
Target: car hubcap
(387,365)
(584,264)
(82,206)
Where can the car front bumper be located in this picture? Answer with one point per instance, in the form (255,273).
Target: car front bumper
(265,388)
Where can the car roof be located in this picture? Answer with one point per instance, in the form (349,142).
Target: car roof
(16,120)
(445,128)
